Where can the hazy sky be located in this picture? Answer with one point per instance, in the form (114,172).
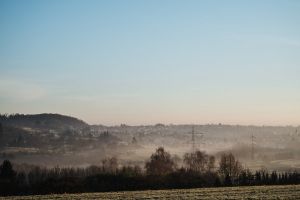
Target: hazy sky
(143,62)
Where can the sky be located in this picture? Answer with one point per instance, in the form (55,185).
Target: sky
(156,61)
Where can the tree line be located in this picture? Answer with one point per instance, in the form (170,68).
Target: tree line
(161,171)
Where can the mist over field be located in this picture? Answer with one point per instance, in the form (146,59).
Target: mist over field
(55,140)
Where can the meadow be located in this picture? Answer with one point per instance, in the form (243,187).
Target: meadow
(245,192)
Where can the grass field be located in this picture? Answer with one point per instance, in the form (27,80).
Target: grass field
(252,192)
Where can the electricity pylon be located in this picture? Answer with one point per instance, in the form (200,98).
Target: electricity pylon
(194,140)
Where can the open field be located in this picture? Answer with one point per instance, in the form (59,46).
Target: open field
(252,192)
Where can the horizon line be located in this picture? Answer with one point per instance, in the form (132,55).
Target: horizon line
(160,123)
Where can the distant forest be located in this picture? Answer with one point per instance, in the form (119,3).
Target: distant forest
(160,172)
(44,120)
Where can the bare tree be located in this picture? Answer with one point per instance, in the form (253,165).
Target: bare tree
(229,166)
(160,163)
(199,161)
(211,163)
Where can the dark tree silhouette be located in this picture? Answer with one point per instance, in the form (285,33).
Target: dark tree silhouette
(227,180)
(7,178)
(160,163)
(245,177)
(274,177)
(1,130)
(199,161)
(229,166)
(6,171)
(161,174)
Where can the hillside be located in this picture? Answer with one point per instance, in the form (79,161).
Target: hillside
(42,121)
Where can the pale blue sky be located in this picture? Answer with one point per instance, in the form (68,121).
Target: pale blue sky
(143,62)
